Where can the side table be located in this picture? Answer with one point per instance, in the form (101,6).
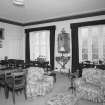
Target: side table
(52,74)
(72,77)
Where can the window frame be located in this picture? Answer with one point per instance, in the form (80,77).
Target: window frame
(74,36)
(52,43)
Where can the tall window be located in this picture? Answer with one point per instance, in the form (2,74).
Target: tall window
(40,41)
(40,44)
(91,43)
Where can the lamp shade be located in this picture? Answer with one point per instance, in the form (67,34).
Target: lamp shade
(62,50)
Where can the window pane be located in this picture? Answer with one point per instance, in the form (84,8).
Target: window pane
(92,43)
(94,49)
(39,44)
(83,44)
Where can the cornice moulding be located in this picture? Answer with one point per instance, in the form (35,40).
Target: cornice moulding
(76,16)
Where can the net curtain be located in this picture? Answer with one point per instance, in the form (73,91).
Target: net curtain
(40,44)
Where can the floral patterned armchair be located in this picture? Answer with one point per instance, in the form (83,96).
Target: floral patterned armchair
(91,85)
(37,82)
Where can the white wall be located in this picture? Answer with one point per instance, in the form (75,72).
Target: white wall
(66,25)
(13,43)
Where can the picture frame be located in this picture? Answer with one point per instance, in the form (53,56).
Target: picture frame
(1,33)
(64,41)
(1,37)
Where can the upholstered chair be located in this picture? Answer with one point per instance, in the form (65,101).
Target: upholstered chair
(38,84)
(91,85)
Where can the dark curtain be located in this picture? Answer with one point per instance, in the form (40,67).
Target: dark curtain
(75,50)
(52,48)
(52,43)
(27,47)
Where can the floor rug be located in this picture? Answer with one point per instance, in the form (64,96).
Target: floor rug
(63,99)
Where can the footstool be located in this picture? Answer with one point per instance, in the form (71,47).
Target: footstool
(63,99)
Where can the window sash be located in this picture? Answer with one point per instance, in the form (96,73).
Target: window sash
(40,44)
(91,43)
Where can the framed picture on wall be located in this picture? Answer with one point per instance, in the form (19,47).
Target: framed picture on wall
(1,33)
(64,41)
(1,37)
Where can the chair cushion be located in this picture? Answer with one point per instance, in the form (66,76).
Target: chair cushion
(92,75)
(38,88)
(35,73)
(91,92)
(37,82)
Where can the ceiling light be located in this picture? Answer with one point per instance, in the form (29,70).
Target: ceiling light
(18,2)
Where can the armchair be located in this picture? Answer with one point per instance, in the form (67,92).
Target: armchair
(91,85)
(37,82)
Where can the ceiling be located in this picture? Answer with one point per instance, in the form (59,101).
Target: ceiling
(37,10)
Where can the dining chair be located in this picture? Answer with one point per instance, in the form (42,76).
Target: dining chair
(15,83)
(2,81)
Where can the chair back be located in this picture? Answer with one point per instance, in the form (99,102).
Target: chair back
(2,80)
(16,80)
(19,79)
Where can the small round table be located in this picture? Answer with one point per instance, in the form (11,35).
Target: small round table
(72,76)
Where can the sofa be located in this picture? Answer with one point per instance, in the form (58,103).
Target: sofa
(91,86)
(38,84)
